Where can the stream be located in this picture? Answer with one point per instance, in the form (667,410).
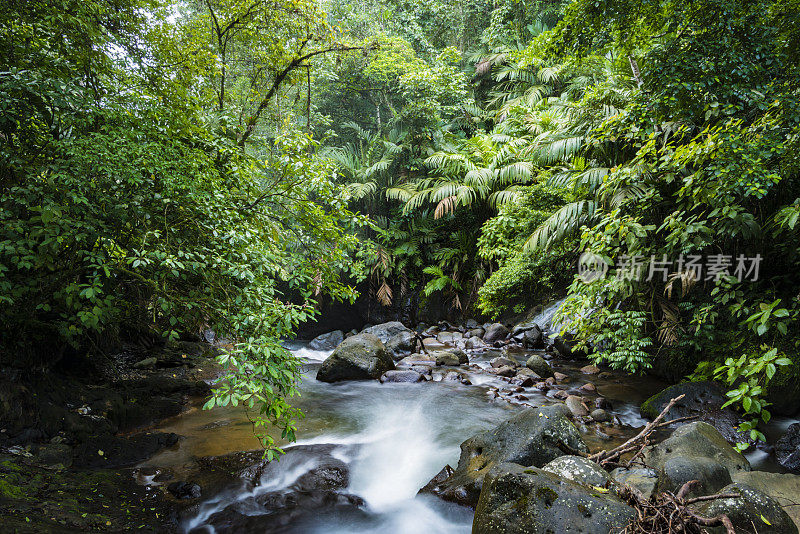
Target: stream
(393,437)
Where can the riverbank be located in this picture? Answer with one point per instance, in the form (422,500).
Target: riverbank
(367,447)
(70,438)
(156,462)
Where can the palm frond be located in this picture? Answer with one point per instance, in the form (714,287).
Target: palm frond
(567,219)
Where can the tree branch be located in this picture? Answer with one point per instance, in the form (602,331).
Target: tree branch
(296,62)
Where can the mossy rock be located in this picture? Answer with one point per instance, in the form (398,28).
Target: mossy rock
(533,437)
(519,500)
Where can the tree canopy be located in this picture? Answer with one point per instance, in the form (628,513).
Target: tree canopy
(173,166)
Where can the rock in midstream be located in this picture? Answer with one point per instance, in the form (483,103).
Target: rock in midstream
(358,357)
(533,437)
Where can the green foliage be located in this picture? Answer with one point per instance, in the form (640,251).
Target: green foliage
(749,376)
(125,211)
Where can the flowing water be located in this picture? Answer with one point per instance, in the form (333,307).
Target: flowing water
(393,437)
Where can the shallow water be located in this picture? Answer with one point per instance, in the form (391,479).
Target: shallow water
(393,437)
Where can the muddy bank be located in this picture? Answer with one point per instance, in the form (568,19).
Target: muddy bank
(70,438)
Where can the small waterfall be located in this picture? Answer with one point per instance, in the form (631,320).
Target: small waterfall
(545,318)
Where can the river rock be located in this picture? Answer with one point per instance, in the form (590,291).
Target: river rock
(471,323)
(445,338)
(784,488)
(537,364)
(643,480)
(386,331)
(522,380)
(147,363)
(528,372)
(754,512)
(677,471)
(455,376)
(359,357)
(401,344)
(578,469)
(495,332)
(590,370)
(600,415)
(506,371)
(519,500)
(405,376)
(588,388)
(418,359)
(319,489)
(327,341)
(431,331)
(703,400)
(451,357)
(576,407)
(533,339)
(502,361)
(185,490)
(562,347)
(475,343)
(787,449)
(695,451)
(475,332)
(533,437)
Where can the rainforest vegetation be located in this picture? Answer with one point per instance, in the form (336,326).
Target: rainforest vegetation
(167,167)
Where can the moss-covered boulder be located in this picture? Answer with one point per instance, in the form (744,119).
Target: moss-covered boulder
(519,500)
(754,512)
(783,487)
(533,437)
(359,357)
(538,365)
(695,451)
(451,357)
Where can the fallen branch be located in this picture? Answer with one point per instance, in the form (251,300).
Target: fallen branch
(639,441)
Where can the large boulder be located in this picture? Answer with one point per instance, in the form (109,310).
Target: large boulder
(327,341)
(562,347)
(787,449)
(319,489)
(495,332)
(533,437)
(401,344)
(703,400)
(538,365)
(783,487)
(519,500)
(358,357)
(695,451)
(578,469)
(386,331)
(754,512)
(533,338)
(678,470)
